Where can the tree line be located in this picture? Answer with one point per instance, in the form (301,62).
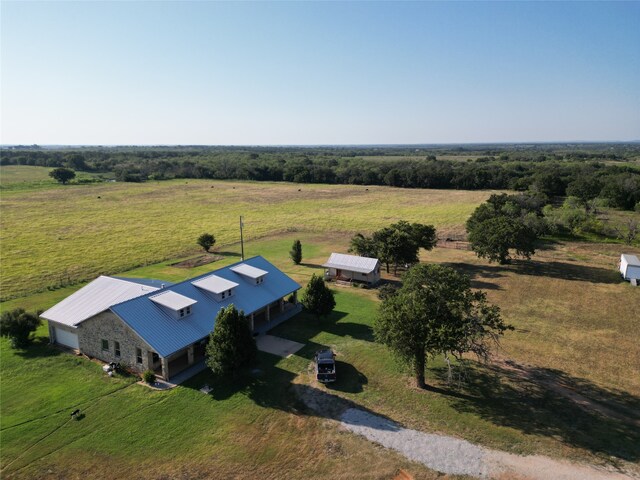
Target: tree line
(552,173)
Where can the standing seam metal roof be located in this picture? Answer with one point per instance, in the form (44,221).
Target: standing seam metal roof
(352,263)
(167,335)
(95,297)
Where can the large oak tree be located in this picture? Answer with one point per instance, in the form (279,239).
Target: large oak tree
(436,312)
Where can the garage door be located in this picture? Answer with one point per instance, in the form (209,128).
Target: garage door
(64,337)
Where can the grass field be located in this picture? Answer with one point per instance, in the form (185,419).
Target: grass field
(24,177)
(576,340)
(255,427)
(61,236)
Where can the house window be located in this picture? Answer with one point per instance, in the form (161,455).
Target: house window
(116,346)
(224,294)
(139,355)
(181,312)
(187,311)
(105,345)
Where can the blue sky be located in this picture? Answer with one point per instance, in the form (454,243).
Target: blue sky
(264,73)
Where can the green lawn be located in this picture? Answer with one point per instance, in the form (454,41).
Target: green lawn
(249,427)
(255,426)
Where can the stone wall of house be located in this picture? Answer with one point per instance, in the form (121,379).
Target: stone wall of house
(108,326)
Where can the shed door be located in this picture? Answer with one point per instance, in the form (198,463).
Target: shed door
(64,337)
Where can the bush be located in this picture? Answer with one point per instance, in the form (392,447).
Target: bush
(149,377)
(206,241)
(18,325)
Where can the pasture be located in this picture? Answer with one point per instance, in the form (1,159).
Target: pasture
(255,425)
(57,237)
(565,383)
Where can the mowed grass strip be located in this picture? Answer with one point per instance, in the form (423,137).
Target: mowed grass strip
(61,236)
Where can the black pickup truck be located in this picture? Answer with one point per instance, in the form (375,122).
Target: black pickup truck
(325,366)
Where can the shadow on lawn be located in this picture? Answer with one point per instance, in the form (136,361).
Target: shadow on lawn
(561,270)
(39,347)
(552,403)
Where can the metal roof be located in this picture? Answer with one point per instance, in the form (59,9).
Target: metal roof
(215,284)
(172,300)
(149,282)
(166,334)
(631,259)
(95,297)
(352,263)
(249,271)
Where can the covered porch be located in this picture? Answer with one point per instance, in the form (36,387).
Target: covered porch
(274,314)
(172,365)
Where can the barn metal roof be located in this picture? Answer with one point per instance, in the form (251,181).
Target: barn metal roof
(166,334)
(95,297)
(249,271)
(352,263)
(172,300)
(631,259)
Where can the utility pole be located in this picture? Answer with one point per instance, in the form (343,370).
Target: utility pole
(241,240)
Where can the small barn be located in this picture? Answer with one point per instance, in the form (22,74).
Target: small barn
(630,268)
(352,268)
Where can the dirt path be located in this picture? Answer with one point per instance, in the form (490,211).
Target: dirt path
(444,453)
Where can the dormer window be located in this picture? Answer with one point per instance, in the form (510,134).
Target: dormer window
(253,274)
(178,305)
(220,287)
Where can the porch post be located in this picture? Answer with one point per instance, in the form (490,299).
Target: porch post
(149,362)
(268,313)
(165,368)
(190,354)
(281,305)
(295,297)
(251,318)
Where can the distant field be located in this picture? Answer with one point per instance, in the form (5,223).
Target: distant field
(60,236)
(10,174)
(25,177)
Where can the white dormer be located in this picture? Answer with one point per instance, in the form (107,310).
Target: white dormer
(220,287)
(178,305)
(252,274)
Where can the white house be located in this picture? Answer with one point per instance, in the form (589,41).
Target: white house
(630,268)
(352,268)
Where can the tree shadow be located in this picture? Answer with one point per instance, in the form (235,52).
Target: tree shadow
(311,265)
(551,403)
(40,347)
(554,269)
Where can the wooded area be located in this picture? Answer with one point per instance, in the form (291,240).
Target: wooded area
(611,171)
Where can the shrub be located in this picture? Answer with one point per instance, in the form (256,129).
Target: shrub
(149,377)
(18,325)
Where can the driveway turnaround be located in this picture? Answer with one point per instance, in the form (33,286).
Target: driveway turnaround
(277,346)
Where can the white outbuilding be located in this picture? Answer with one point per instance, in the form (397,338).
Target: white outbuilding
(352,268)
(630,268)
